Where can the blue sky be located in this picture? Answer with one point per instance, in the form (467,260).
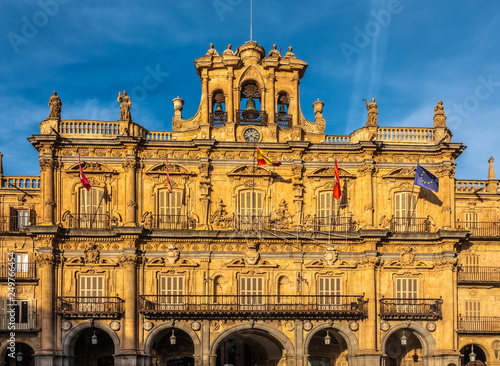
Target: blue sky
(406,54)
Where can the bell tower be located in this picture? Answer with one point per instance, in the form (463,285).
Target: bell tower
(249,97)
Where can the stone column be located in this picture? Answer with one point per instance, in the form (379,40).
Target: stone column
(47,177)
(446,175)
(205,189)
(130,165)
(129,264)
(45,266)
(230,95)
(365,206)
(205,113)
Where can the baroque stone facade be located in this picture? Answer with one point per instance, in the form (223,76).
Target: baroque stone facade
(232,263)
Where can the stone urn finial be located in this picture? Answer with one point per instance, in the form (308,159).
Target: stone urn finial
(178,105)
(318,106)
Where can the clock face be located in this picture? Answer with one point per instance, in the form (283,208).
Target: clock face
(251,135)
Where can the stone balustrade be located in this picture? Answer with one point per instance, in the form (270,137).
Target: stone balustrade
(99,128)
(470,185)
(24,182)
(332,139)
(405,134)
(159,136)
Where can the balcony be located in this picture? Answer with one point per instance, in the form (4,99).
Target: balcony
(480,229)
(413,225)
(171,222)
(283,120)
(251,117)
(90,307)
(218,119)
(414,309)
(346,223)
(86,221)
(478,324)
(24,271)
(16,223)
(274,306)
(479,275)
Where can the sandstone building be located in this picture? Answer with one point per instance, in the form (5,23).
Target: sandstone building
(244,264)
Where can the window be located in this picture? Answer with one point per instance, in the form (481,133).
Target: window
(471,263)
(472,321)
(170,210)
(330,217)
(404,211)
(172,292)
(251,291)
(92,209)
(329,293)
(91,292)
(251,211)
(21,263)
(25,315)
(470,221)
(406,290)
(19,219)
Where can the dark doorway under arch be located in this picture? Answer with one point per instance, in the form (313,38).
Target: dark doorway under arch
(165,353)
(88,354)
(399,352)
(466,351)
(26,353)
(323,354)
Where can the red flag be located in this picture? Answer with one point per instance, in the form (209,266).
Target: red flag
(168,182)
(264,160)
(83,180)
(336,187)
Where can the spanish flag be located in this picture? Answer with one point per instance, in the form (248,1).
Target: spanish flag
(83,179)
(168,181)
(264,160)
(337,193)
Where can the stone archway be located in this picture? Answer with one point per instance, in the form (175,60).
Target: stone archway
(77,346)
(25,348)
(186,350)
(251,345)
(419,345)
(343,343)
(480,351)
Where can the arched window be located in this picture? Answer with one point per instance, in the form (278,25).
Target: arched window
(92,213)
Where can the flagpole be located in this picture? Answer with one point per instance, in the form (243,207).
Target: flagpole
(253,183)
(411,199)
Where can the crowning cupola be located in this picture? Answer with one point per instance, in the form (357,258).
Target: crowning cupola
(247,96)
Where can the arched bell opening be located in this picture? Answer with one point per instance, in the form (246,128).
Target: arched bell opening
(22,355)
(403,348)
(218,115)
(173,347)
(250,347)
(473,354)
(250,111)
(94,347)
(282,117)
(327,348)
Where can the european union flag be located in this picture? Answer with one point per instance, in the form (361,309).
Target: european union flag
(425,179)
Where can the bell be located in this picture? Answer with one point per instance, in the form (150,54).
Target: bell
(218,108)
(250,105)
(282,109)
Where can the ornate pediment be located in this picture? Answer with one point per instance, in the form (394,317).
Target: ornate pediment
(90,168)
(173,169)
(315,264)
(329,172)
(401,173)
(249,171)
(237,263)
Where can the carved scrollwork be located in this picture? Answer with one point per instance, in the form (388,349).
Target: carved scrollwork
(127,260)
(44,260)
(46,163)
(221,218)
(91,253)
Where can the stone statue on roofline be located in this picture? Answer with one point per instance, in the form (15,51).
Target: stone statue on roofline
(126,104)
(439,116)
(55,105)
(212,51)
(372,112)
(274,52)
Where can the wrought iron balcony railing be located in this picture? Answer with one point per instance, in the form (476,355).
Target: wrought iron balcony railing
(251,117)
(90,307)
(172,222)
(331,223)
(283,120)
(13,223)
(479,274)
(218,119)
(413,225)
(478,324)
(21,270)
(480,229)
(341,307)
(251,222)
(411,309)
(87,221)
(23,322)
